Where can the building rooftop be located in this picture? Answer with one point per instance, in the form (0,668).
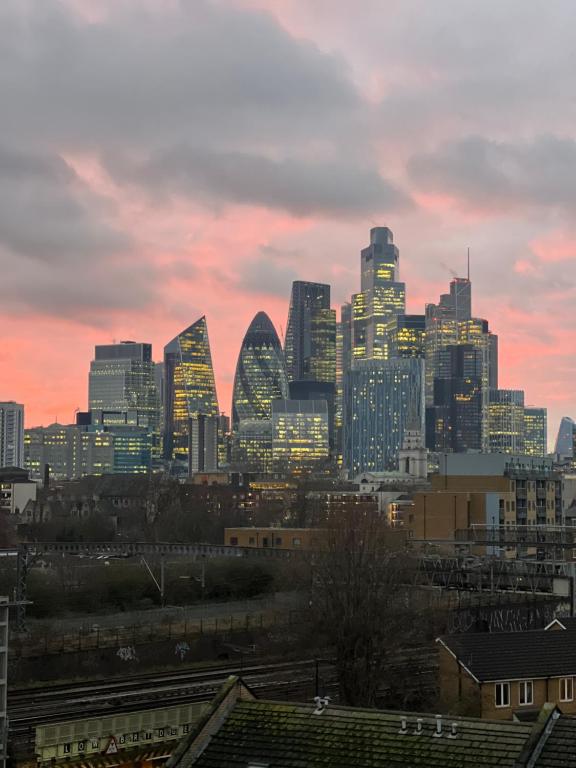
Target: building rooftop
(239,731)
(514,655)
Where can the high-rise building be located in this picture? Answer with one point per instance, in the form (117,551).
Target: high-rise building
(300,435)
(310,346)
(565,438)
(382,399)
(343,364)
(535,431)
(203,443)
(260,372)
(381,296)
(454,421)
(506,421)
(122,378)
(406,334)
(11,434)
(190,388)
(252,447)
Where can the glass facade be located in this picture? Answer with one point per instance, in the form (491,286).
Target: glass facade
(382,398)
(381,297)
(260,372)
(535,431)
(506,421)
(454,421)
(300,435)
(564,445)
(71,451)
(252,447)
(189,387)
(310,346)
(122,378)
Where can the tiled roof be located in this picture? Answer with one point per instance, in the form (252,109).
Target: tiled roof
(285,735)
(559,750)
(515,655)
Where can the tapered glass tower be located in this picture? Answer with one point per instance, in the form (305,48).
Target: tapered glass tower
(190,389)
(260,372)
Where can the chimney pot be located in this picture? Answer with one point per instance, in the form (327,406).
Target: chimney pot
(403,725)
(438,731)
(453,731)
(418,726)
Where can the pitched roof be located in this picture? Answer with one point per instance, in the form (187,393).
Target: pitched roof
(286,735)
(558,750)
(490,656)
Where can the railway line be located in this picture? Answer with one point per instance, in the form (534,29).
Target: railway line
(291,680)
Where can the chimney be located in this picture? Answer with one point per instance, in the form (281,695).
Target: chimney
(438,732)
(453,731)
(418,730)
(403,725)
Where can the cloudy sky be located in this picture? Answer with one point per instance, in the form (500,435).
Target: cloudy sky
(163,159)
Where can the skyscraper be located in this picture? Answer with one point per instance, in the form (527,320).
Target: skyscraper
(506,421)
(382,398)
(11,434)
(310,347)
(190,388)
(122,378)
(406,335)
(381,296)
(299,435)
(454,421)
(260,372)
(535,431)
(565,437)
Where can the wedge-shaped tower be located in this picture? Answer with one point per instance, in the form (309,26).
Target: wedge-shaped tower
(190,389)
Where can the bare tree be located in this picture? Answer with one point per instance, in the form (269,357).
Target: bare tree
(361,600)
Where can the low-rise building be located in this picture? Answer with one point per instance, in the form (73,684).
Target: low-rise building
(239,731)
(507,675)
(274,538)
(16,490)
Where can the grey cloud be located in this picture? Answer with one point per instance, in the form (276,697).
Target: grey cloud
(47,213)
(264,275)
(501,176)
(299,187)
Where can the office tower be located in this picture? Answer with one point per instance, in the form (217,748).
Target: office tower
(506,421)
(134,442)
(310,347)
(11,434)
(381,296)
(122,378)
(189,387)
(203,443)
(318,390)
(382,398)
(224,441)
(454,421)
(535,431)
(260,372)
(406,334)
(252,446)
(343,363)
(70,451)
(300,435)
(455,305)
(565,437)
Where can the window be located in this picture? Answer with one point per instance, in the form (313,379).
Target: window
(296,542)
(278,541)
(233,541)
(525,692)
(502,694)
(566,689)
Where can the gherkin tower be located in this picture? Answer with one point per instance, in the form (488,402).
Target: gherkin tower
(260,372)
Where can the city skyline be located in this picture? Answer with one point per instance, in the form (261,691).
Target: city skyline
(134,237)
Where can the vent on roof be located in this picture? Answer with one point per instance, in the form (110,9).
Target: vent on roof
(321,704)
(438,732)
(253,764)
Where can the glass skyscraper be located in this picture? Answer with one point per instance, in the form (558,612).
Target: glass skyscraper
(535,431)
(381,296)
(310,346)
(122,378)
(564,445)
(260,372)
(382,399)
(11,434)
(506,421)
(189,390)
